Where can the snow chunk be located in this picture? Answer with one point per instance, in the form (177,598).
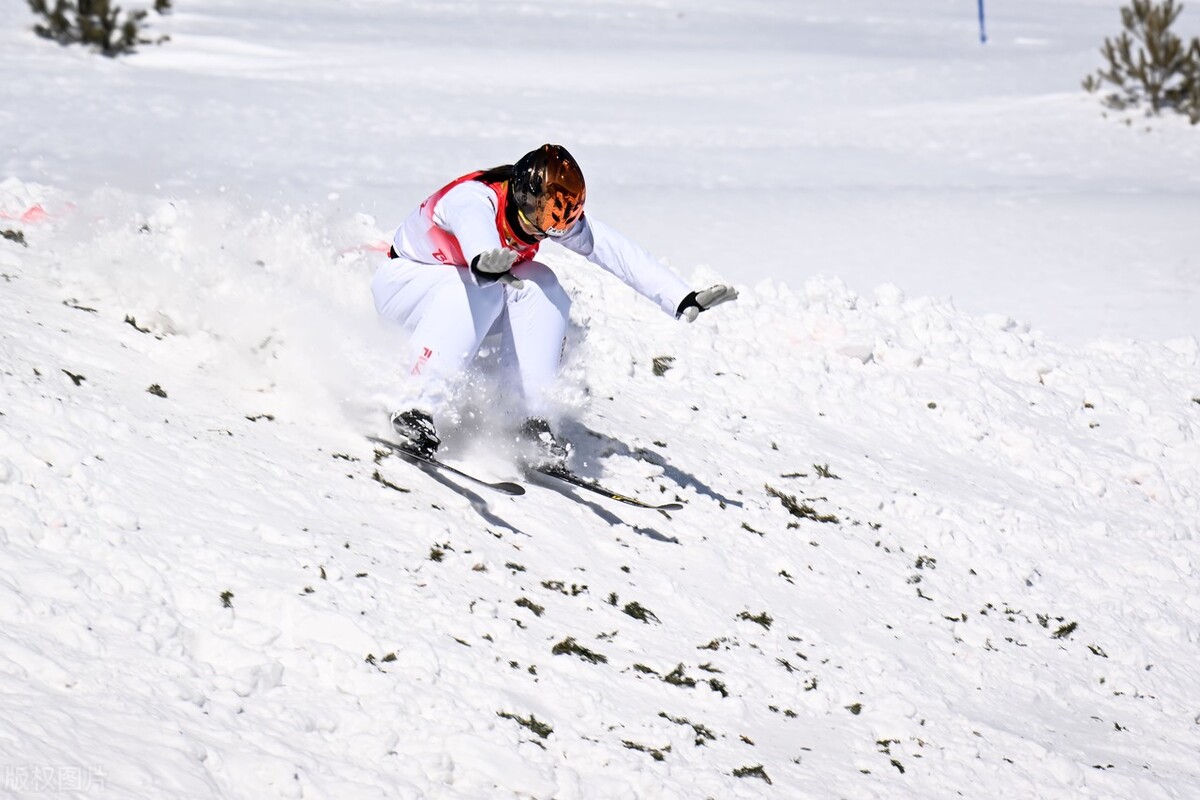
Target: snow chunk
(18,199)
(889,295)
(1000,322)
(859,352)
(118,516)
(894,355)
(485,763)
(1186,346)
(8,472)
(164,217)
(831,291)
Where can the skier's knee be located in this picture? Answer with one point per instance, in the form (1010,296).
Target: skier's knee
(546,283)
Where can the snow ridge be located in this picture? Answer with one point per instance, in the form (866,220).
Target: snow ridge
(921,552)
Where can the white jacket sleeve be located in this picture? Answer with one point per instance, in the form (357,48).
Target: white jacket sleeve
(613,252)
(468,211)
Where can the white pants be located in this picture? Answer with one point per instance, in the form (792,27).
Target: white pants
(447,317)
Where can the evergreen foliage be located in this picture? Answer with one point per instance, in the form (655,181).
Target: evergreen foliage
(1148,63)
(100,24)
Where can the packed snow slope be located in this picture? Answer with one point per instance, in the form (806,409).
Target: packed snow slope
(923,554)
(926,551)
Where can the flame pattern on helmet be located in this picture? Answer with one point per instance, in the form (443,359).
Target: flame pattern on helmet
(548,189)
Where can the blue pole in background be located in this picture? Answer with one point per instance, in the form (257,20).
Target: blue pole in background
(982,25)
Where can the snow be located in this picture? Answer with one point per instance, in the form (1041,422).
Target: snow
(964,357)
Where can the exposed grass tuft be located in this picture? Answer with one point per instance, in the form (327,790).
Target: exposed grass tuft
(756,771)
(763,619)
(676,677)
(640,613)
(702,732)
(14,236)
(801,510)
(1066,630)
(561,588)
(382,481)
(569,646)
(533,723)
(132,322)
(656,753)
(525,602)
(822,471)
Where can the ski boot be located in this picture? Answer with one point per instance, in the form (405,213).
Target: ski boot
(546,451)
(416,431)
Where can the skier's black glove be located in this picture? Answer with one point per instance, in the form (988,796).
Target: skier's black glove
(705,299)
(494,265)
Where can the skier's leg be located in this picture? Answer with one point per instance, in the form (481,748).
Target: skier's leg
(536,326)
(445,315)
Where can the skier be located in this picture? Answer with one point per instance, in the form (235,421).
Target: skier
(462,266)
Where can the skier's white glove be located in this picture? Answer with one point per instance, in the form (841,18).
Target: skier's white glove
(494,265)
(705,299)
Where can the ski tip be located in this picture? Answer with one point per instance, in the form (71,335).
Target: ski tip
(580,482)
(633,501)
(651,506)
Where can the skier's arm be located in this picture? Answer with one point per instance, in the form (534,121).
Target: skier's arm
(468,211)
(644,273)
(613,252)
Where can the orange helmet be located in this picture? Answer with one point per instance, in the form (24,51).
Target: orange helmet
(547,188)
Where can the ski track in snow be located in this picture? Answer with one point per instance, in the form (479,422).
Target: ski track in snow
(999,591)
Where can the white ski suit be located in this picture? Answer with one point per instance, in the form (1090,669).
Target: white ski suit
(427,288)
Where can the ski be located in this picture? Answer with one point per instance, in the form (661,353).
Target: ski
(504,487)
(566,476)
